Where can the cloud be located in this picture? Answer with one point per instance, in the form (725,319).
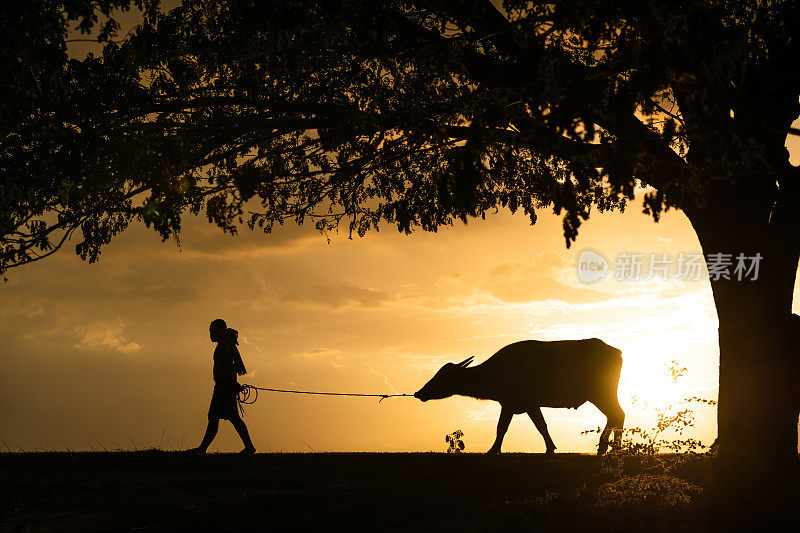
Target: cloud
(490,412)
(110,283)
(381,375)
(317,352)
(543,279)
(202,239)
(97,334)
(333,295)
(17,307)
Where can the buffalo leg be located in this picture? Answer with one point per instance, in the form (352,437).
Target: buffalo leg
(615,418)
(541,425)
(502,427)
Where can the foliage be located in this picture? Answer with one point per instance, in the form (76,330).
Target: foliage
(454,441)
(412,113)
(658,491)
(659,453)
(54,176)
(664,446)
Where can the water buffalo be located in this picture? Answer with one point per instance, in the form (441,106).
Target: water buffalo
(528,375)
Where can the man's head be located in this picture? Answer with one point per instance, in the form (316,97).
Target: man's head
(217,330)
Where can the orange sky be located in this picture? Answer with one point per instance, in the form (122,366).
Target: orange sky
(117,354)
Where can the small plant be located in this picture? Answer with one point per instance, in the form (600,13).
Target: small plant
(454,442)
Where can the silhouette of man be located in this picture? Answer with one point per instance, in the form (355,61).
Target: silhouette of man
(224,401)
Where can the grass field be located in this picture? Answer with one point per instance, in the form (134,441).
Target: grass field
(153,490)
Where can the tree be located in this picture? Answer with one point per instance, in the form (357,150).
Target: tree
(353,113)
(46,152)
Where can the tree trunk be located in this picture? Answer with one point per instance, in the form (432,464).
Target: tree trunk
(755,475)
(756,472)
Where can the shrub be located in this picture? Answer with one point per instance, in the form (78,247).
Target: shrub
(454,442)
(658,453)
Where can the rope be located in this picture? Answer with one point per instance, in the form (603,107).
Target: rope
(248,394)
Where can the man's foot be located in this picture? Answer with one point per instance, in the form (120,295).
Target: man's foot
(195,451)
(248,451)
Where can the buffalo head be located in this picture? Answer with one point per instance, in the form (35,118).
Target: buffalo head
(444,383)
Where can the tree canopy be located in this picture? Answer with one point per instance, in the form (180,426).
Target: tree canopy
(355,113)
(413,113)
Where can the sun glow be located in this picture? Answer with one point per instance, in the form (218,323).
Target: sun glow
(649,385)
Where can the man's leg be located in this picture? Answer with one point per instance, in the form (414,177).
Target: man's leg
(241,429)
(211,432)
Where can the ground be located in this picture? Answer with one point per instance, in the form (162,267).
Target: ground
(154,490)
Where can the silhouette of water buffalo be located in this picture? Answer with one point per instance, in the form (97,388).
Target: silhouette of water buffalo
(528,375)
